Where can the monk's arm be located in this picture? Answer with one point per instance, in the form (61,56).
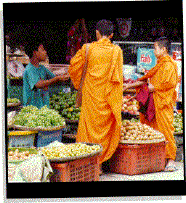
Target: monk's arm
(76,66)
(133,85)
(168,80)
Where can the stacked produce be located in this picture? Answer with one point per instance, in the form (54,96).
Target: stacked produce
(64,103)
(130,105)
(31,116)
(12,100)
(136,131)
(61,150)
(178,123)
(18,155)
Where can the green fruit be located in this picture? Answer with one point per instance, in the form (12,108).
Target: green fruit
(69,115)
(71,109)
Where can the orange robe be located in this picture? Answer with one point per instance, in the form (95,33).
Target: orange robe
(100,118)
(164,78)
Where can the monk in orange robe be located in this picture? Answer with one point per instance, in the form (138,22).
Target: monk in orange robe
(163,79)
(100,118)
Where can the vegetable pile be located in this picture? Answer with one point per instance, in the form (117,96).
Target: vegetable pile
(68,150)
(178,123)
(12,100)
(130,105)
(64,103)
(31,116)
(136,131)
(18,156)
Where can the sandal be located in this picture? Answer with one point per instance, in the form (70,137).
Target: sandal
(170,167)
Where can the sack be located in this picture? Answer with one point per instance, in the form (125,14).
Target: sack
(35,169)
(79,92)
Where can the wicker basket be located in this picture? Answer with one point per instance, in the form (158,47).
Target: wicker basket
(81,170)
(138,158)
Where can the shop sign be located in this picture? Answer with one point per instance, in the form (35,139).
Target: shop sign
(177,55)
(15,68)
(145,59)
(124,26)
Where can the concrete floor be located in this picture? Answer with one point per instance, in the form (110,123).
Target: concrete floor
(176,175)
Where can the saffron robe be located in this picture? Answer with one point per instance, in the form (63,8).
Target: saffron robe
(100,118)
(164,78)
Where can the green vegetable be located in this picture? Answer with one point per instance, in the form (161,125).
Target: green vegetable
(178,122)
(12,100)
(64,103)
(31,116)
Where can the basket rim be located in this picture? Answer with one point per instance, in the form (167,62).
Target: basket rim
(22,133)
(13,104)
(142,141)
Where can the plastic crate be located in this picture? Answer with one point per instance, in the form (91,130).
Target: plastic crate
(44,138)
(21,138)
(80,170)
(138,159)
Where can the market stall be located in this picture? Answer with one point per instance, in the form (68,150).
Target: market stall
(48,135)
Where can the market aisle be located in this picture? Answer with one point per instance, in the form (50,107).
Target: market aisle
(177,175)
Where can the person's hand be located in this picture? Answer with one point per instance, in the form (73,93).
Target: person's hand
(151,87)
(63,77)
(125,86)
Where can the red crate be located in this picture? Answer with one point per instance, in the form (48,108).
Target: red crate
(138,158)
(80,170)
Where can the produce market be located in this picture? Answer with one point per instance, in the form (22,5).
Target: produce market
(57,141)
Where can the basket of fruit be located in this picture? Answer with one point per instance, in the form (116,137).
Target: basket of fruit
(134,159)
(16,156)
(33,119)
(59,152)
(141,150)
(138,133)
(129,107)
(73,162)
(11,102)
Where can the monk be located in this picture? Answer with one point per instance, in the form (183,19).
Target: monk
(163,79)
(100,119)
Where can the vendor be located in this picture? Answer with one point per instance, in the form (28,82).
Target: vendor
(163,81)
(37,78)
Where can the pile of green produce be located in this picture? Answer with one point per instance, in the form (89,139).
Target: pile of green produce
(178,123)
(12,100)
(64,103)
(69,150)
(31,116)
